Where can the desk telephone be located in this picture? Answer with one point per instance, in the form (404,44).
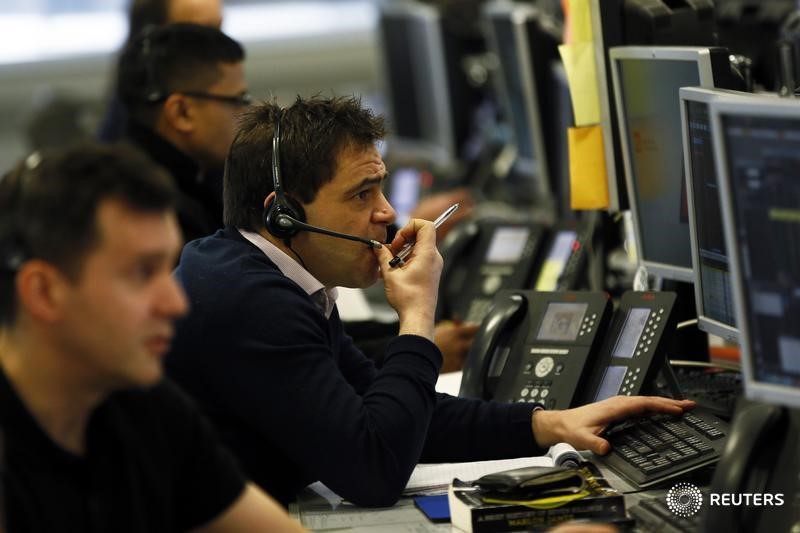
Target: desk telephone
(483,257)
(557,348)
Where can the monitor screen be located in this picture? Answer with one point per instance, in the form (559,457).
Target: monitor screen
(712,279)
(759,151)
(514,38)
(508,53)
(416,83)
(637,22)
(647,82)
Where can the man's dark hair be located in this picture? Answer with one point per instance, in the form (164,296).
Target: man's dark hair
(314,132)
(170,59)
(48,206)
(144,13)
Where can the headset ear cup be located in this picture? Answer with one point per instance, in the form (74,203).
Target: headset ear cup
(278,207)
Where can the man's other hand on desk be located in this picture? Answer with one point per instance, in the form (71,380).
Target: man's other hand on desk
(454,340)
(581,427)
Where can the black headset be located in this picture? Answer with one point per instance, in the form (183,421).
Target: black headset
(281,217)
(12,249)
(153,92)
(284,217)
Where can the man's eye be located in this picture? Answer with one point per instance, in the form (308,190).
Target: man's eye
(144,272)
(363,195)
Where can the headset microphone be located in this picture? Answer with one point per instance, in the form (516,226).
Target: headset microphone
(285,220)
(288,223)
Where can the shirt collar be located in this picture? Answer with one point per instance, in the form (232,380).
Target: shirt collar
(295,272)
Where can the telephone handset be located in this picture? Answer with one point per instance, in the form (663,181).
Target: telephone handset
(748,460)
(536,346)
(545,347)
(492,345)
(554,355)
(454,249)
(481,258)
(634,350)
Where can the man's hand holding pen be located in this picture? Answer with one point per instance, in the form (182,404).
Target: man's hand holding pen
(412,289)
(405,251)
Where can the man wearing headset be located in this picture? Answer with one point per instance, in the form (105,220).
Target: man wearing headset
(263,349)
(94,439)
(183,87)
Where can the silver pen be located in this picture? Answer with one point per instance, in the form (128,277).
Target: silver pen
(405,251)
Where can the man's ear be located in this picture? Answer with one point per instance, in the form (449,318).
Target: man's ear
(178,113)
(269,199)
(42,291)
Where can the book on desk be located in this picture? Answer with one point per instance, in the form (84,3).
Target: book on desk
(580,494)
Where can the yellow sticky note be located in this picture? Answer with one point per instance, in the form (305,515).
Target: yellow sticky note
(580,67)
(581,21)
(548,276)
(587,168)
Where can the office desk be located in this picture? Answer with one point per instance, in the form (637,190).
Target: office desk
(321,510)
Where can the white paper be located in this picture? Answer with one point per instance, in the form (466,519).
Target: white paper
(428,477)
(449,383)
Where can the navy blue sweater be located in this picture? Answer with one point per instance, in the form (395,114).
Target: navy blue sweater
(297,402)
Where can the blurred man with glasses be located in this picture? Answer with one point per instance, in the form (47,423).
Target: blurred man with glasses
(183,87)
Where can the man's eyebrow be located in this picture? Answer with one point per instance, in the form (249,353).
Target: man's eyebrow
(155,256)
(365,182)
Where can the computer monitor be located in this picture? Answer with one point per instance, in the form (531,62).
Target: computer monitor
(524,51)
(416,83)
(712,283)
(638,22)
(646,82)
(757,152)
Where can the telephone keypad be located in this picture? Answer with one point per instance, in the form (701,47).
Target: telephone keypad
(587,324)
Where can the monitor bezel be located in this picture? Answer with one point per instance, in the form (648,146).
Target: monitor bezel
(520,15)
(437,144)
(757,106)
(702,57)
(706,96)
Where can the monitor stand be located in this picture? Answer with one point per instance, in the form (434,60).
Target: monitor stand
(687,343)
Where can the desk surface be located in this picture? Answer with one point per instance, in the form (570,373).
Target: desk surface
(319,509)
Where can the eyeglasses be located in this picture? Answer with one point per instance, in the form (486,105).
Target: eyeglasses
(239,100)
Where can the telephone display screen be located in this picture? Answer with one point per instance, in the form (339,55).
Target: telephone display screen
(612,380)
(631,332)
(507,245)
(562,321)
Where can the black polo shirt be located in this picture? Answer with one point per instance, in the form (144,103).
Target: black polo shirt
(152,464)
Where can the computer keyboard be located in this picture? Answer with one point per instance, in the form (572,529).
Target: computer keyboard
(652,514)
(648,451)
